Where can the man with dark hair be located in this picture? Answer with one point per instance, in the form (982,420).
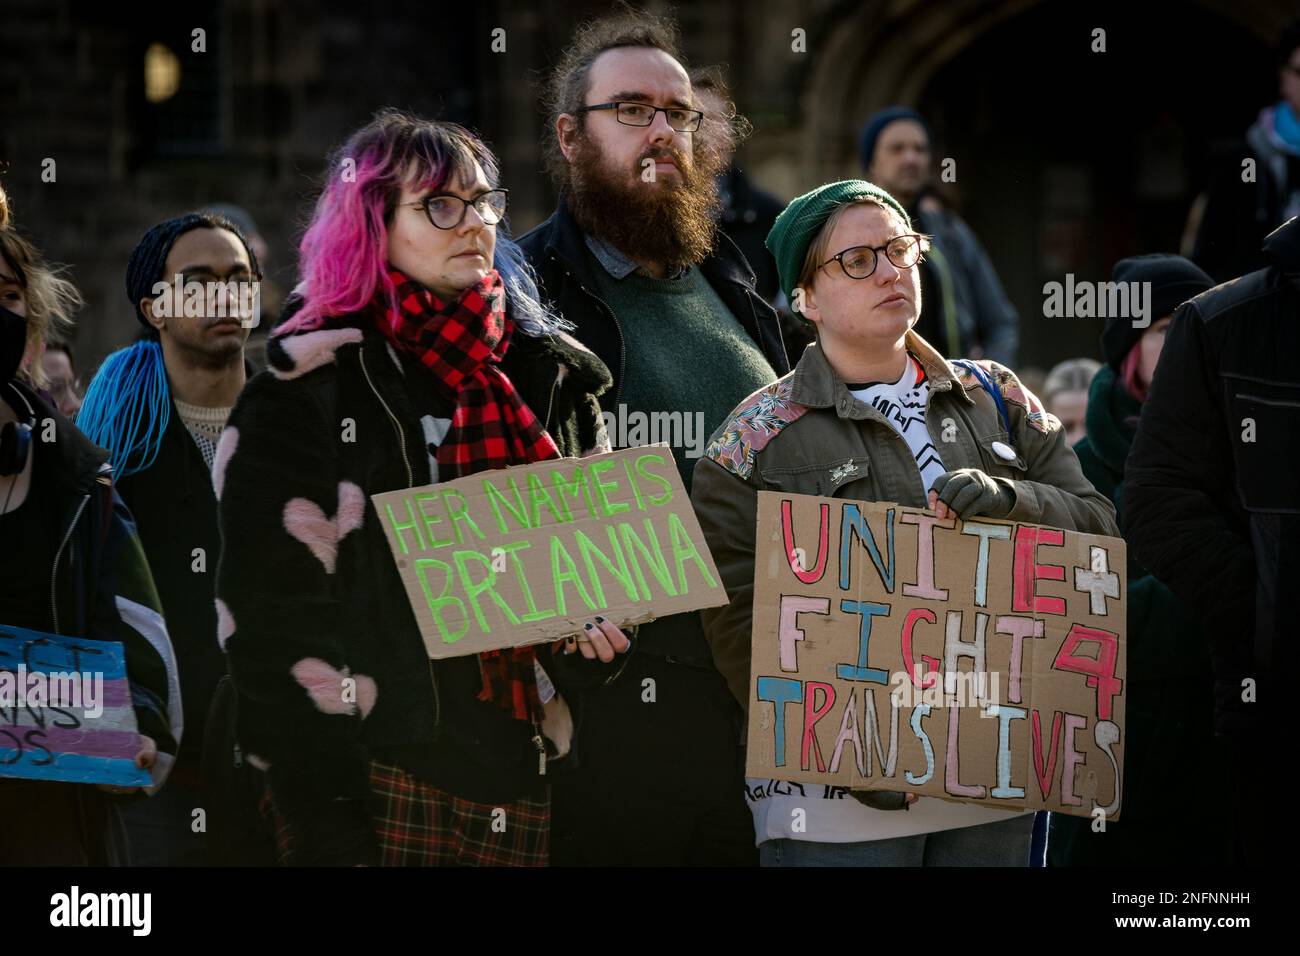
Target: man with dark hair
(159,407)
(634,259)
(1246,201)
(966,312)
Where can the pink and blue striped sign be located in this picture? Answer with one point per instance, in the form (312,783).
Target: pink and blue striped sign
(65,710)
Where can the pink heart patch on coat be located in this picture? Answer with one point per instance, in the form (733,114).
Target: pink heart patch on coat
(306,522)
(225,623)
(225,451)
(324,685)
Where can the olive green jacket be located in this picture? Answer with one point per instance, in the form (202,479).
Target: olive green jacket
(806,434)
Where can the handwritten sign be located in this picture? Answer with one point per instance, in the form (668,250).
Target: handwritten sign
(979,661)
(65,710)
(527,554)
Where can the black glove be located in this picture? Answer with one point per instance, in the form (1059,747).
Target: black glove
(880,799)
(970,492)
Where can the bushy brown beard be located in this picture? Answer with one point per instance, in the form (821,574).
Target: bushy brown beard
(670,222)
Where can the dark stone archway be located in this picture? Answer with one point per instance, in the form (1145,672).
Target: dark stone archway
(1067,159)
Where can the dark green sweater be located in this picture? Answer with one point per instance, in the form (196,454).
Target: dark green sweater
(687,355)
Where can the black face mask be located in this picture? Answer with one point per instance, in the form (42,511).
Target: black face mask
(13,342)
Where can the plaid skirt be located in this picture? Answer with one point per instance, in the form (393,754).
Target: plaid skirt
(416,824)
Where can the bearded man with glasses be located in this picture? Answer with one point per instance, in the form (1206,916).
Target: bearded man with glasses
(633,257)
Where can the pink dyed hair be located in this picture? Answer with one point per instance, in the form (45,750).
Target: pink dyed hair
(343,254)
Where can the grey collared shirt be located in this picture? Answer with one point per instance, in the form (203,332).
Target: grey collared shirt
(614,262)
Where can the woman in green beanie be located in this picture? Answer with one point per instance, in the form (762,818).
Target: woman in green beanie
(1169,708)
(872,412)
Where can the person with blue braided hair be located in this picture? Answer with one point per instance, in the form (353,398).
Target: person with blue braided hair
(159,407)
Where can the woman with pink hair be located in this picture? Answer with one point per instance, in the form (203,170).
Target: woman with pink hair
(415,350)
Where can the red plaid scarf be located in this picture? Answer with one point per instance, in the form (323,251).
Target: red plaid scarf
(462,342)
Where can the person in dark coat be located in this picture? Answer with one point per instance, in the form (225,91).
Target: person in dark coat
(71,564)
(1169,711)
(636,262)
(747,212)
(418,353)
(1212,508)
(159,407)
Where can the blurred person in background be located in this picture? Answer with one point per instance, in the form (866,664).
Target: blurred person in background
(1065,393)
(1238,211)
(966,311)
(61,378)
(748,212)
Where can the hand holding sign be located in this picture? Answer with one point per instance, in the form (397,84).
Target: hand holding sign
(66,712)
(532,553)
(968,493)
(145,759)
(600,640)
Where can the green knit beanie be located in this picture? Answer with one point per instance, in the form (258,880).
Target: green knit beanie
(798,225)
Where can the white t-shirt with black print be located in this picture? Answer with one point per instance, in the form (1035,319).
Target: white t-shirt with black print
(902,403)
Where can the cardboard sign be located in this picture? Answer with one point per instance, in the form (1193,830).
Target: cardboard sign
(65,710)
(527,554)
(979,661)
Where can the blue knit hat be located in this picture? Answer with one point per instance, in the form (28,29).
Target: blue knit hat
(801,221)
(876,124)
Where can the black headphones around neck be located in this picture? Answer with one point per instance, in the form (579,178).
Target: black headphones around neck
(16,437)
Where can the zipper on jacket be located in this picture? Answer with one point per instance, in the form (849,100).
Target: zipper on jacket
(622,340)
(550,405)
(401,435)
(54,572)
(627,655)
(437,701)
(1274,402)
(540,743)
(410,483)
(750,295)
